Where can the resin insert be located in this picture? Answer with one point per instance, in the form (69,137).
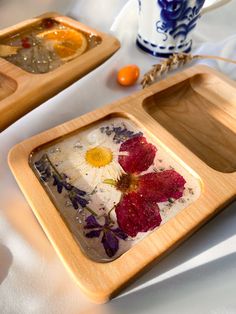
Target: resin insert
(44,47)
(113,185)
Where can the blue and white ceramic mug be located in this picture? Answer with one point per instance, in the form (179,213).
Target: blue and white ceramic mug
(165,26)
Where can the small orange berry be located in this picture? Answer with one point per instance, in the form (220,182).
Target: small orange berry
(128,75)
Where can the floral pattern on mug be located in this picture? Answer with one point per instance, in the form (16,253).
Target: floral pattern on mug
(178,18)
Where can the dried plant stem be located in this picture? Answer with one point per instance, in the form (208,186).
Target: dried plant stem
(46,157)
(91,211)
(174,62)
(216,58)
(109,214)
(59,175)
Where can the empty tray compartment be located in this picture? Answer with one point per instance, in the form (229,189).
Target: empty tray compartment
(200,112)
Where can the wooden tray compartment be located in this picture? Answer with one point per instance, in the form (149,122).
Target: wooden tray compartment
(102,281)
(69,156)
(32,89)
(7,86)
(199,113)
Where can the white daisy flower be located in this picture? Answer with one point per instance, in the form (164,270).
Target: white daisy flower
(95,160)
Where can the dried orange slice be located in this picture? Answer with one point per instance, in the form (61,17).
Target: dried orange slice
(67,43)
(6,50)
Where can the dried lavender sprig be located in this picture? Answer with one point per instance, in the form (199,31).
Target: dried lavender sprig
(120,134)
(60,180)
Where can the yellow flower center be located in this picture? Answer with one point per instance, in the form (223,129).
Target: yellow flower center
(99,156)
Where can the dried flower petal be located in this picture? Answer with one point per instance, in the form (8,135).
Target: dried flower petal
(110,236)
(6,50)
(160,186)
(134,214)
(93,233)
(110,243)
(91,222)
(120,134)
(77,201)
(140,154)
(119,233)
(48,171)
(48,23)
(58,183)
(43,167)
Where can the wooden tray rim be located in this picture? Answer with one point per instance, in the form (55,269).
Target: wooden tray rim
(23,99)
(102,281)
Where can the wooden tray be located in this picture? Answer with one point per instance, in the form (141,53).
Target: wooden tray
(192,115)
(21,91)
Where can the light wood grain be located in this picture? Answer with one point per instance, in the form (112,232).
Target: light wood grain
(33,89)
(102,281)
(7,86)
(198,119)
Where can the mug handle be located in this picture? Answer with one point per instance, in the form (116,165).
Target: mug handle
(216,4)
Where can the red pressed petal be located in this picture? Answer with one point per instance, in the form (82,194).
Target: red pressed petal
(160,186)
(134,214)
(25,39)
(48,23)
(25,42)
(140,154)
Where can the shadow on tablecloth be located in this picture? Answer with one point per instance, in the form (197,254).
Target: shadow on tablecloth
(5,262)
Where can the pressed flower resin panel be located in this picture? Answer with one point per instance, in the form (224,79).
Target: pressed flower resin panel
(45,46)
(113,185)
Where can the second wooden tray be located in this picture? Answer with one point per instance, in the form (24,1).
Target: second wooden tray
(21,91)
(190,117)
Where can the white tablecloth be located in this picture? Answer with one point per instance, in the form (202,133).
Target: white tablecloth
(198,277)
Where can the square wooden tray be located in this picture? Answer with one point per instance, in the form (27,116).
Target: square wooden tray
(192,114)
(21,91)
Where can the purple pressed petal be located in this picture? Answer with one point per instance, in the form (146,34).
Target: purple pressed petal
(57,182)
(93,234)
(110,243)
(77,200)
(68,186)
(64,176)
(82,201)
(119,233)
(74,203)
(43,168)
(39,166)
(91,223)
(79,192)
(120,134)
